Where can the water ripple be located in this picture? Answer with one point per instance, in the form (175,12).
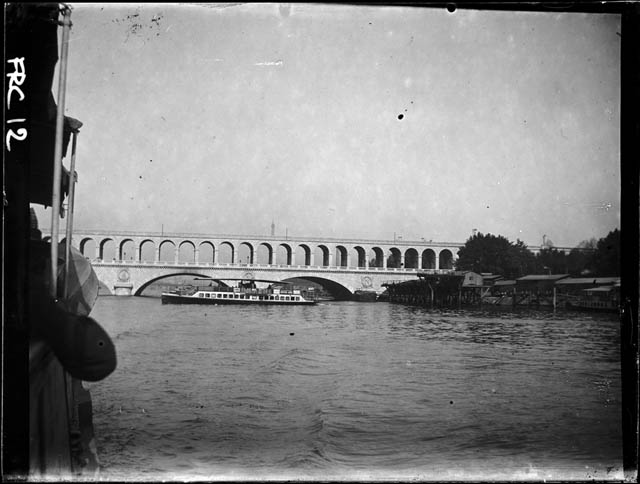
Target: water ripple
(359,390)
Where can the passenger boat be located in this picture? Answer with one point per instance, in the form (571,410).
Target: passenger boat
(245,292)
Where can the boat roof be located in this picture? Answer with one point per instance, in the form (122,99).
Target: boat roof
(589,280)
(505,282)
(543,277)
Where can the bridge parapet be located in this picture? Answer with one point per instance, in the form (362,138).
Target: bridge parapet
(270,238)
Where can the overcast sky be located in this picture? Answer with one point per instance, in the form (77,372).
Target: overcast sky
(346,121)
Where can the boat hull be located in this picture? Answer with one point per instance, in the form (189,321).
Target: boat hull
(178,299)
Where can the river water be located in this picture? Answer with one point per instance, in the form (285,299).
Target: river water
(357,391)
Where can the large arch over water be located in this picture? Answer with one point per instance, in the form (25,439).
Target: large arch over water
(141,289)
(336,289)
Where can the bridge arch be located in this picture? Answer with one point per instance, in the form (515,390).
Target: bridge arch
(246,253)
(336,289)
(411,258)
(378,257)
(283,254)
(227,252)
(305,251)
(428,259)
(264,254)
(322,256)
(206,252)
(107,249)
(88,247)
(147,251)
(342,256)
(127,249)
(187,251)
(167,251)
(360,259)
(395,258)
(445,259)
(142,287)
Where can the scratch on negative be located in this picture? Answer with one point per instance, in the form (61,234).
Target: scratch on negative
(271,63)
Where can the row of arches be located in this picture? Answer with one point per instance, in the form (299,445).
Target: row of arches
(264,253)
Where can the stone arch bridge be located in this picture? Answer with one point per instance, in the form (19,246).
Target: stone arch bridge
(124,278)
(128,261)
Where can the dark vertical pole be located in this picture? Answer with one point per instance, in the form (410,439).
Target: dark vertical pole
(630,150)
(432,295)
(72,191)
(57,159)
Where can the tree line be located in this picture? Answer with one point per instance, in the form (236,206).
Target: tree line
(497,255)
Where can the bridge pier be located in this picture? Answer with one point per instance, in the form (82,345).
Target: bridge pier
(123,289)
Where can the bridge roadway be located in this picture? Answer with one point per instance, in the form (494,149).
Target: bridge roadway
(127,262)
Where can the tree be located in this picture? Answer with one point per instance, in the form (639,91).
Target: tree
(606,259)
(523,261)
(580,262)
(591,243)
(551,260)
(495,254)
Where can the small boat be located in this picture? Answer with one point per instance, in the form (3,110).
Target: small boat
(246,292)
